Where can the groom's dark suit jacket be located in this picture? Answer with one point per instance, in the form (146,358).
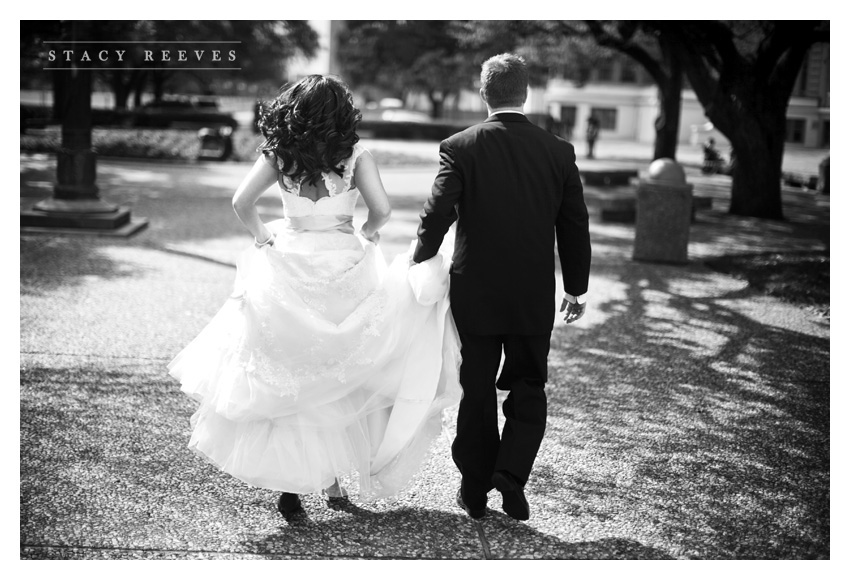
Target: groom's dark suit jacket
(514,189)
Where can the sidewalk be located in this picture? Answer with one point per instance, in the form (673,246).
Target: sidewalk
(689,415)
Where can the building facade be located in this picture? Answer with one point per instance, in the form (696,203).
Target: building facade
(625,101)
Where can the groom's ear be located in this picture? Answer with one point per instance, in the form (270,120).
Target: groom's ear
(481,94)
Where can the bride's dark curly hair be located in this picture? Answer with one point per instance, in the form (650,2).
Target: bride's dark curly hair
(311,127)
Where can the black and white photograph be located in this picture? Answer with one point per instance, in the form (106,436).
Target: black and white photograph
(426,290)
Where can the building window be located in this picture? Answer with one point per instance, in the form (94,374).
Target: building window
(628,74)
(607,117)
(568,115)
(558,72)
(605,71)
(795,130)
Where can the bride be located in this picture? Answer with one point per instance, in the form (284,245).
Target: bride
(325,364)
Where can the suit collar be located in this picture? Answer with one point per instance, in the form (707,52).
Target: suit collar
(508,118)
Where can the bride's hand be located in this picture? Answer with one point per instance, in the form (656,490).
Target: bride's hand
(269,241)
(374,238)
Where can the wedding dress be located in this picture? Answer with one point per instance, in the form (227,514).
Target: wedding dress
(324,363)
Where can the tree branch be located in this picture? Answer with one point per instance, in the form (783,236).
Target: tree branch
(629,48)
(700,70)
(784,73)
(718,50)
(776,42)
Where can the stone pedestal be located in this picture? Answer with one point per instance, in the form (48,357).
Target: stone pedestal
(76,173)
(76,206)
(663,214)
(823,176)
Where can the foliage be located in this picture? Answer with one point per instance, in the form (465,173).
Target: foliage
(551,47)
(439,58)
(400,56)
(263,49)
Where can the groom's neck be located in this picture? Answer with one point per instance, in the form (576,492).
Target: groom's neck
(491,112)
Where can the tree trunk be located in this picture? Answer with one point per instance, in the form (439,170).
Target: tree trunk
(120,89)
(61,81)
(667,124)
(757,175)
(670,95)
(159,79)
(755,126)
(138,88)
(437,99)
(436,108)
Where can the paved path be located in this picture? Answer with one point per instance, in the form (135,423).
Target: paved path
(689,415)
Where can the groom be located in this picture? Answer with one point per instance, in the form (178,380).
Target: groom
(514,190)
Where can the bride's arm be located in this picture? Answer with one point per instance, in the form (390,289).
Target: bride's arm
(368,181)
(259,179)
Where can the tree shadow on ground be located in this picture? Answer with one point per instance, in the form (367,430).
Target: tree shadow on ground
(430,534)
(352,531)
(511,540)
(693,418)
(48,263)
(800,278)
(104,466)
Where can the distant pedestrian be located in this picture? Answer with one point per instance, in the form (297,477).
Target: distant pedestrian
(591,134)
(712,161)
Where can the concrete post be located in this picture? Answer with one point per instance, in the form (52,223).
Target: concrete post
(663,214)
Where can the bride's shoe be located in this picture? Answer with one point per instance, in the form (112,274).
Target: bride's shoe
(288,504)
(336,490)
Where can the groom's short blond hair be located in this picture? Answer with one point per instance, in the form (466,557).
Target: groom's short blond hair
(504,81)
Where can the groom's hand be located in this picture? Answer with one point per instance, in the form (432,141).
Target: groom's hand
(574,311)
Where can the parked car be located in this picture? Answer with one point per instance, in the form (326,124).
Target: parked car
(393,110)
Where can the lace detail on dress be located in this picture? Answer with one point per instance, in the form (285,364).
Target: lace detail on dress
(371,317)
(329,184)
(264,366)
(348,172)
(339,201)
(294,187)
(272,364)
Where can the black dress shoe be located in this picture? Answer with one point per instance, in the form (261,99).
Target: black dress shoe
(513,497)
(289,504)
(474,514)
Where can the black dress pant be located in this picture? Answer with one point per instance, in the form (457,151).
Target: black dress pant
(478,449)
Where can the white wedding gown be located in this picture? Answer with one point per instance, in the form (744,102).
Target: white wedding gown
(324,363)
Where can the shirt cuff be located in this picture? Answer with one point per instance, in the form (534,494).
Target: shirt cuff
(573,299)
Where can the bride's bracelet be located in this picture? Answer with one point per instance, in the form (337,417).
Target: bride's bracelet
(268,242)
